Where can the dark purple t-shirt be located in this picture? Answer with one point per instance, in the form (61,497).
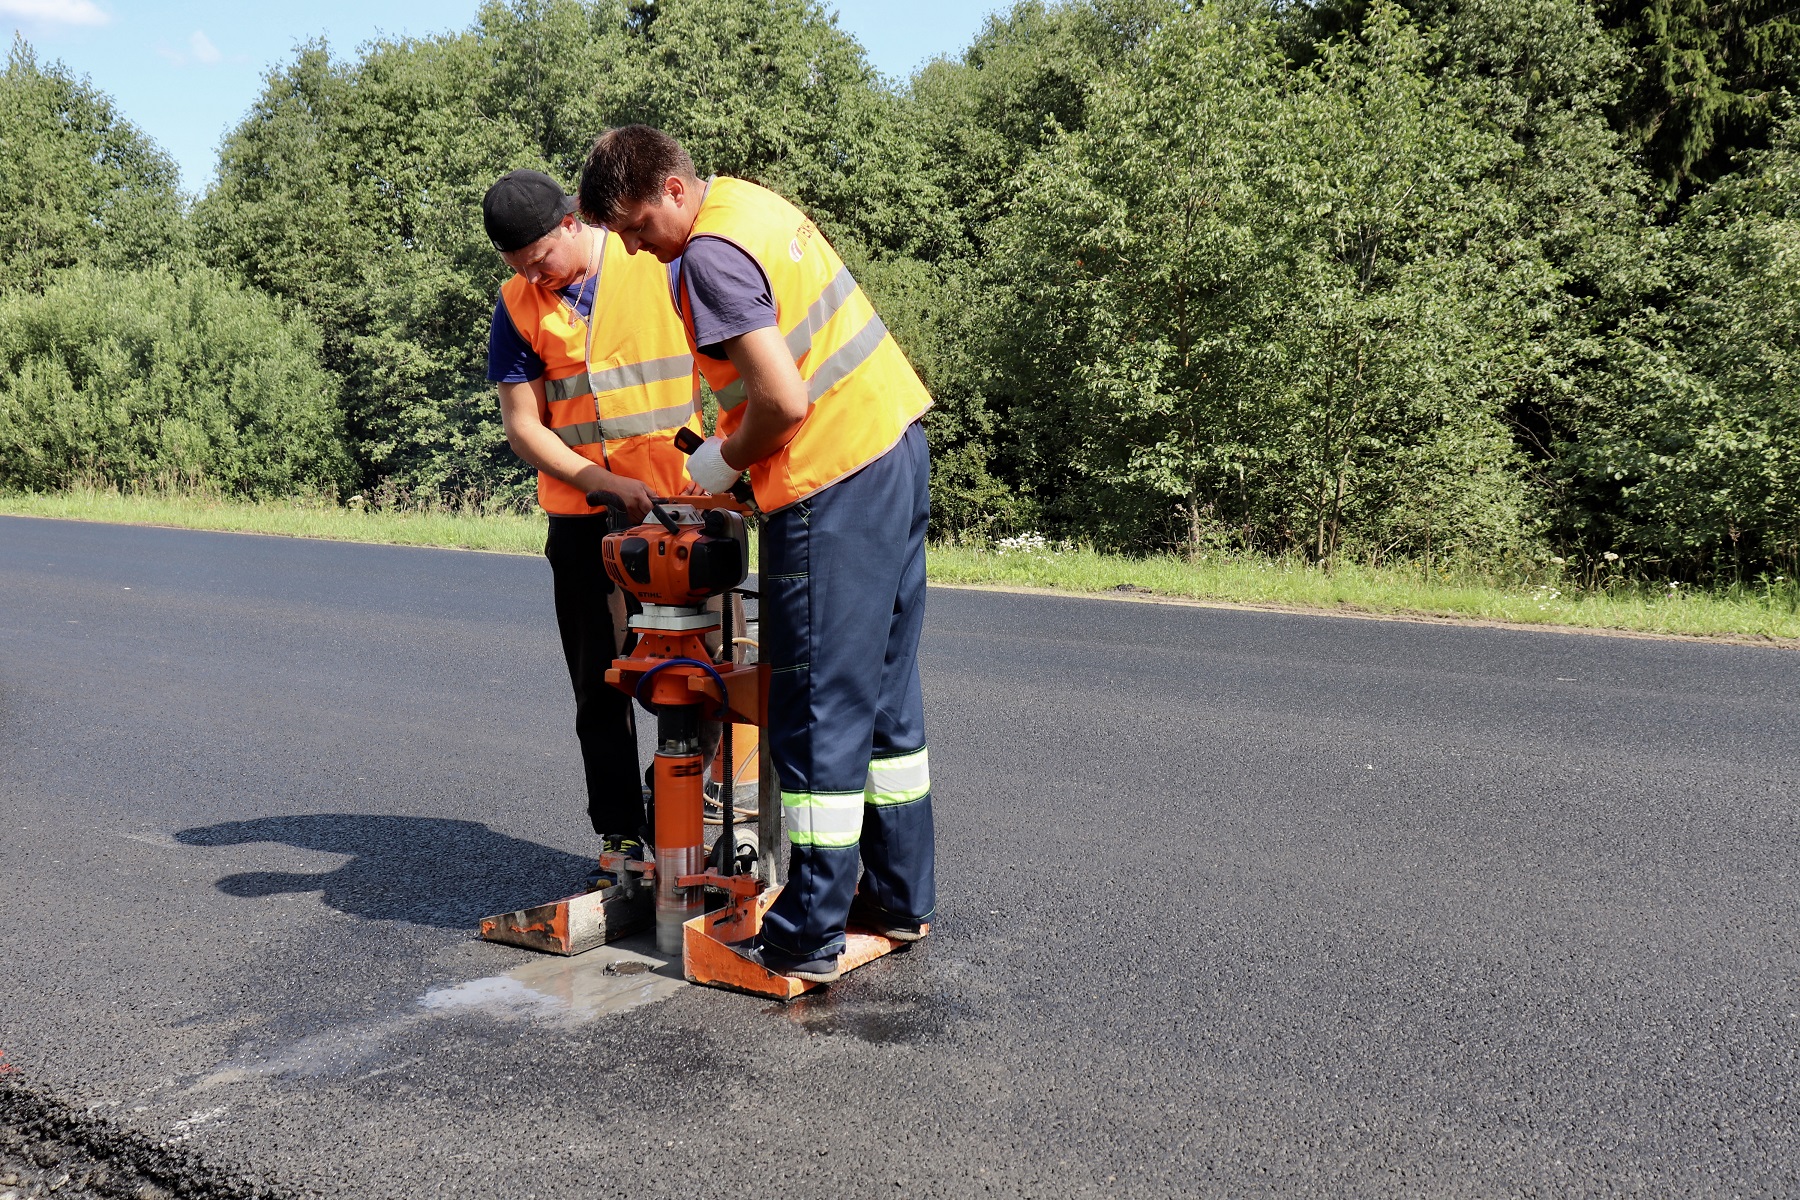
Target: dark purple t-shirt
(727,291)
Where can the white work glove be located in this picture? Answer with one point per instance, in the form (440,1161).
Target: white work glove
(708,468)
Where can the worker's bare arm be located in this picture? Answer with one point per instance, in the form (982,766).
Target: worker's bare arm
(522,413)
(775,396)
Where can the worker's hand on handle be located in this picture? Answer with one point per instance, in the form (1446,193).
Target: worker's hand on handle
(708,468)
(635,496)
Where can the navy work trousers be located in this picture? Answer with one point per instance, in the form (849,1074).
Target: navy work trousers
(843,602)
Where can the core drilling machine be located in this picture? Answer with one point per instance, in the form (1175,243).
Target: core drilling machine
(694,549)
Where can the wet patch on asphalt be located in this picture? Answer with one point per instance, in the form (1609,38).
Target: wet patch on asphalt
(545,992)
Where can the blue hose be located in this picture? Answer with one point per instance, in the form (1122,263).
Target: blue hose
(725,696)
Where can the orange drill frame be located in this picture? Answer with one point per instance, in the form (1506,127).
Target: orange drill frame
(672,670)
(662,670)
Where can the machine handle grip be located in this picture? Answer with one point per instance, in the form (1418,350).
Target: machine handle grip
(617,516)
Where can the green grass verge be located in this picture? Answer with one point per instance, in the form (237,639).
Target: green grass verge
(1744,612)
(509,533)
(1768,612)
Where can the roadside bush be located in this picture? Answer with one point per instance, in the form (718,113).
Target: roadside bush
(154,376)
(1270,301)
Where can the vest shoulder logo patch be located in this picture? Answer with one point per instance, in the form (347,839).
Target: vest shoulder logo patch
(802,235)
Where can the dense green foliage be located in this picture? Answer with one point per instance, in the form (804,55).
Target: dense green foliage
(1693,446)
(79,184)
(1477,279)
(110,377)
(1704,81)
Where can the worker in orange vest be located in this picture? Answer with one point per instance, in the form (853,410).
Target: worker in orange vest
(819,405)
(595,379)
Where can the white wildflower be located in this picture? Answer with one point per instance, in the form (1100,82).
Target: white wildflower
(1025,543)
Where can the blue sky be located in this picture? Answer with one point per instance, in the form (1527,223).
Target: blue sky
(186,73)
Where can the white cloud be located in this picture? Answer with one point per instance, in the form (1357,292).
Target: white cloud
(200,52)
(55,12)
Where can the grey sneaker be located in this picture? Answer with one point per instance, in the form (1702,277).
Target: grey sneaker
(813,970)
(866,914)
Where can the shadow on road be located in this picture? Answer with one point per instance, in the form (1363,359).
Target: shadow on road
(426,870)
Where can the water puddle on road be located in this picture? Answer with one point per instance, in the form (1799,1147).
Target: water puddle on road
(563,991)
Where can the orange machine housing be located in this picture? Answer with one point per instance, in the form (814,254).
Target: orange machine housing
(679,566)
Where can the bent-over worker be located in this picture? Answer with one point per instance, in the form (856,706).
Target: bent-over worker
(595,378)
(818,403)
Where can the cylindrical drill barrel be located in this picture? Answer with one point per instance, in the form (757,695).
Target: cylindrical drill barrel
(679,783)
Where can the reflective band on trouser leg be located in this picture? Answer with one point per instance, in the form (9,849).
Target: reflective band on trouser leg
(900,779)
(823,818)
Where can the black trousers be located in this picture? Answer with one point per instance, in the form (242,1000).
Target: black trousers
(604,722)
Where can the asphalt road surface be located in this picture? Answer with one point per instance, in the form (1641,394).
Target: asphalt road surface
(1234,903)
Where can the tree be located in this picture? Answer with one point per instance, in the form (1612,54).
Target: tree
(1705,75)
(1688,452)
(78,183)
(1267,300)
(1026,80)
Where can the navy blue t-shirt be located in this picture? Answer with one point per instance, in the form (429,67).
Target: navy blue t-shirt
(727,291)
(511,358)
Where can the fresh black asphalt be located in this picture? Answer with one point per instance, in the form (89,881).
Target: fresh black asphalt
(1234,903)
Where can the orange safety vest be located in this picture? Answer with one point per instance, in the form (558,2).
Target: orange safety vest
(864,393)
(620,402)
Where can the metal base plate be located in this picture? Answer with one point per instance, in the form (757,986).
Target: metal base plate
(707,958)
(575,923)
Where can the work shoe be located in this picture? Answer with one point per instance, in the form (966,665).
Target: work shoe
(866,914)
(822,969)
(615,843)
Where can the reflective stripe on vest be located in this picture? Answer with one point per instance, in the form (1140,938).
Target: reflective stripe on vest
(898,780)
(845,359)
(657,370)
(862,392)
(616,429)
(641,387)
(823,818)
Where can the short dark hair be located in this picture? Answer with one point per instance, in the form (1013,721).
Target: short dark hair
(629,165)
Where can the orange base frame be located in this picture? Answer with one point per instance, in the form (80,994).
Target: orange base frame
(705,957)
